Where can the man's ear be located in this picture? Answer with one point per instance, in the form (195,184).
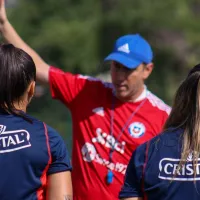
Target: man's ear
(148,68)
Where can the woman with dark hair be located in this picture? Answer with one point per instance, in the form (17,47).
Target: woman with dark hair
(34,163)
(168,166)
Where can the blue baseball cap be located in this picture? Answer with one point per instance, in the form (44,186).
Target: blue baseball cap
(131,51)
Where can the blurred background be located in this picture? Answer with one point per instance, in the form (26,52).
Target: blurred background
(75,35)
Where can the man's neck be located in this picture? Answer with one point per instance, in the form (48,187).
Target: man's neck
(142,95)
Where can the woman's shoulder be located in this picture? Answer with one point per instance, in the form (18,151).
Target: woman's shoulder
(167,138)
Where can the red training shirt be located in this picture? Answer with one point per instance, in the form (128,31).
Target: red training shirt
(90,102)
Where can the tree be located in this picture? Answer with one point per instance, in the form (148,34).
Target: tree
(76,35)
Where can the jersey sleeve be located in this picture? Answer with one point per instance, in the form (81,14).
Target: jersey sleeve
(65,86)
(166,114)
(59,154)
(72,89)
(133,178)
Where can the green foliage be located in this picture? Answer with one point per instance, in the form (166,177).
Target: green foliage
(76,35)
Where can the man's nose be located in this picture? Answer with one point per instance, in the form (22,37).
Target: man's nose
(121,74)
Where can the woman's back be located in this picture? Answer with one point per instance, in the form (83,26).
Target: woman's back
(34,163)
(29,152)
(153,171)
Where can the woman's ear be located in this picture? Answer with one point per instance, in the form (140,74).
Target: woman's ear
(30,91)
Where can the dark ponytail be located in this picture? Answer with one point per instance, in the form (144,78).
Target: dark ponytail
(17,70)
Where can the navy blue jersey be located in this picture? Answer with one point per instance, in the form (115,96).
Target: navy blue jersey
(153,172)
(29,152)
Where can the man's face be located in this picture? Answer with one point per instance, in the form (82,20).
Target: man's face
(129,83)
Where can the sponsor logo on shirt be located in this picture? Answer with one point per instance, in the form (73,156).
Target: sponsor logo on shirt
(108,141)
(90,154)
(136,129)
(13,140)
(169,169)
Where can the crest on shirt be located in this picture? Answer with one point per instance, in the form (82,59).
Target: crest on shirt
(136,129)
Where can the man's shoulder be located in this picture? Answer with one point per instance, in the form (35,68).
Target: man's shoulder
(94,80)
(80,77)
(158,103)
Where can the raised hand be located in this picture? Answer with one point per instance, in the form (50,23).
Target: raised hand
(3,17)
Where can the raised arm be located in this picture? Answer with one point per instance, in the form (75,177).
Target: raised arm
(11,36)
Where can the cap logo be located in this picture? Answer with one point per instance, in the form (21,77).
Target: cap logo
(124,48)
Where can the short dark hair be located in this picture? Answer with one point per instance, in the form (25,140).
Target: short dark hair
(17,70)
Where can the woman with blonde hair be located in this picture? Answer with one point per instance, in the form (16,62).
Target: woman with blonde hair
(168,166)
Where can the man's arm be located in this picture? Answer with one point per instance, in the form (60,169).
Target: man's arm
(59,186)
(11,36)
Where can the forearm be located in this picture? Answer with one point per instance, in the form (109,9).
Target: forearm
(61,197)
(59,186)
(68,197)
(132,198)
(11,36)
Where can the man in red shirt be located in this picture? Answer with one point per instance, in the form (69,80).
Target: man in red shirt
(109,119)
